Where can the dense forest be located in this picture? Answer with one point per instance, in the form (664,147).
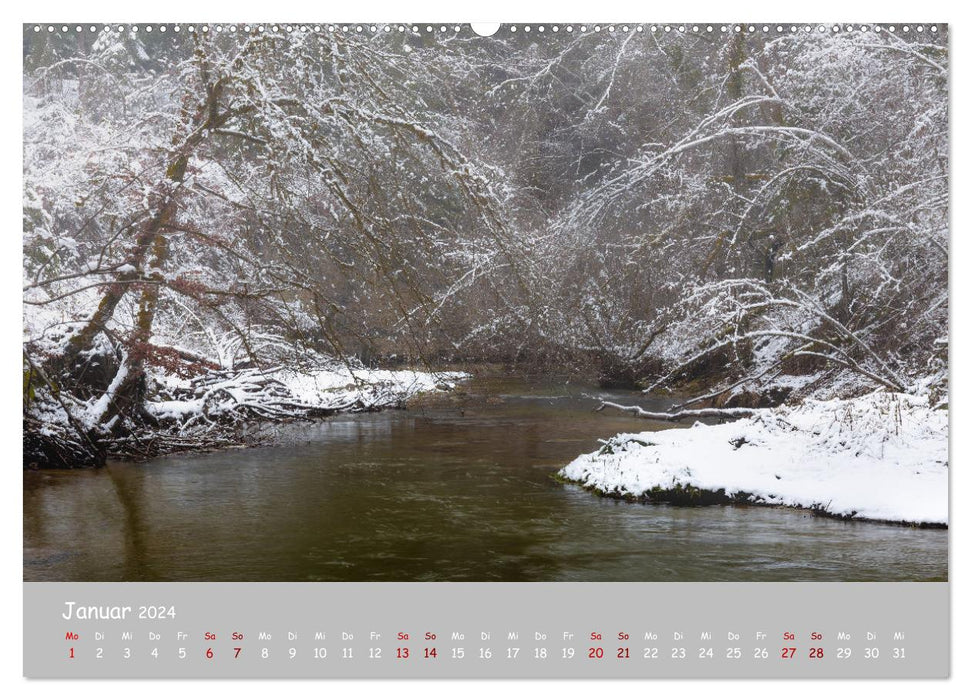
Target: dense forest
(747,215)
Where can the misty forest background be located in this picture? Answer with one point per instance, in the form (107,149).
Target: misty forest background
(748,218)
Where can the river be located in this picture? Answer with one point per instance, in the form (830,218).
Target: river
(457,488)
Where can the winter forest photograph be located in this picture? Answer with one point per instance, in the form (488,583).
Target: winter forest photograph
(563,302)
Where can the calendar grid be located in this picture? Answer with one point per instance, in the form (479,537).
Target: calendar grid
(475,630)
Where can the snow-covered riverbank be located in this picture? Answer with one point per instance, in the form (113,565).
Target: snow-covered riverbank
(285,392)
(878,457)
(218,408)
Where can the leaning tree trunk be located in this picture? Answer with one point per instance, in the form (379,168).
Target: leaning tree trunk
(119,400)
(144,241)
(129,396)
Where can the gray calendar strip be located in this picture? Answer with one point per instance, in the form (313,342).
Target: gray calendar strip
(479,630)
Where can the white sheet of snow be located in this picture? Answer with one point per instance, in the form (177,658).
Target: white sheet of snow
(883,456)
(176,409)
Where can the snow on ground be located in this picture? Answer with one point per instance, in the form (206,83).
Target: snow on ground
(343,383)
(882,456)
(285,391)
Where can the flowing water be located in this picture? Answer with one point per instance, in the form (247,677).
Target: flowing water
(459,487)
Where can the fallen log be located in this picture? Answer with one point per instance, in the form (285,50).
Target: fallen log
(683,414)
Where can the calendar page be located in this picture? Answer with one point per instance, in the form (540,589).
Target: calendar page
(397,350)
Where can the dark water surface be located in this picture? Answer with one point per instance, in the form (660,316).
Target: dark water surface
(457,488)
